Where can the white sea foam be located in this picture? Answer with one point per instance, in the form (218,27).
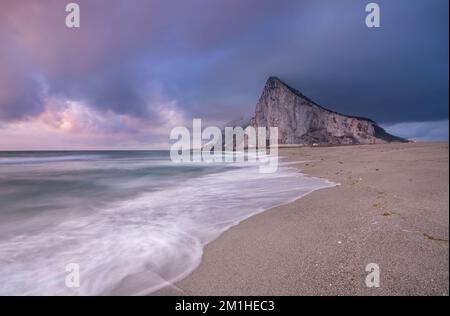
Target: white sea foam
(144,243)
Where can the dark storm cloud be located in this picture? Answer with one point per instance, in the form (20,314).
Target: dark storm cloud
(396,73)
(21,89)
(213,57)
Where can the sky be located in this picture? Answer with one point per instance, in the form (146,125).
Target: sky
(135,69)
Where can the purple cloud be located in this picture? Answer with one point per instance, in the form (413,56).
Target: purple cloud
(210,59)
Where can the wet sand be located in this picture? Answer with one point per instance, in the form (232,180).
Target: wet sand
(391,208)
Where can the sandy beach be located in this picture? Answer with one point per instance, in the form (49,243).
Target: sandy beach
(391,208)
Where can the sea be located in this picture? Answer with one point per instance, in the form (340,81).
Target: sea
(123,222)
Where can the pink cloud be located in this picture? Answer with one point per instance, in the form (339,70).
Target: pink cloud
(67,124)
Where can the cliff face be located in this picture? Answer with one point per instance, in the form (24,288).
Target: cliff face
(301,121)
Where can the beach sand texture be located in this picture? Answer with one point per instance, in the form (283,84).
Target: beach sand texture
(391,208)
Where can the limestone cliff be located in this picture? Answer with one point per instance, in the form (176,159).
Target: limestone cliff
(302,121)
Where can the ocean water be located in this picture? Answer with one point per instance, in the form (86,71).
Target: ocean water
(132,221)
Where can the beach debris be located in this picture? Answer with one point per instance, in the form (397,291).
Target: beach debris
(433,238)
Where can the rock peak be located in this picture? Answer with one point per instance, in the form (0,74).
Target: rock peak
(275,81)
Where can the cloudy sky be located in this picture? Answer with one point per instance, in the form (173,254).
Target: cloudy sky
(137,68)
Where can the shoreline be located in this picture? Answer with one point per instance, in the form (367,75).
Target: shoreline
(391,209)
(170,284)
